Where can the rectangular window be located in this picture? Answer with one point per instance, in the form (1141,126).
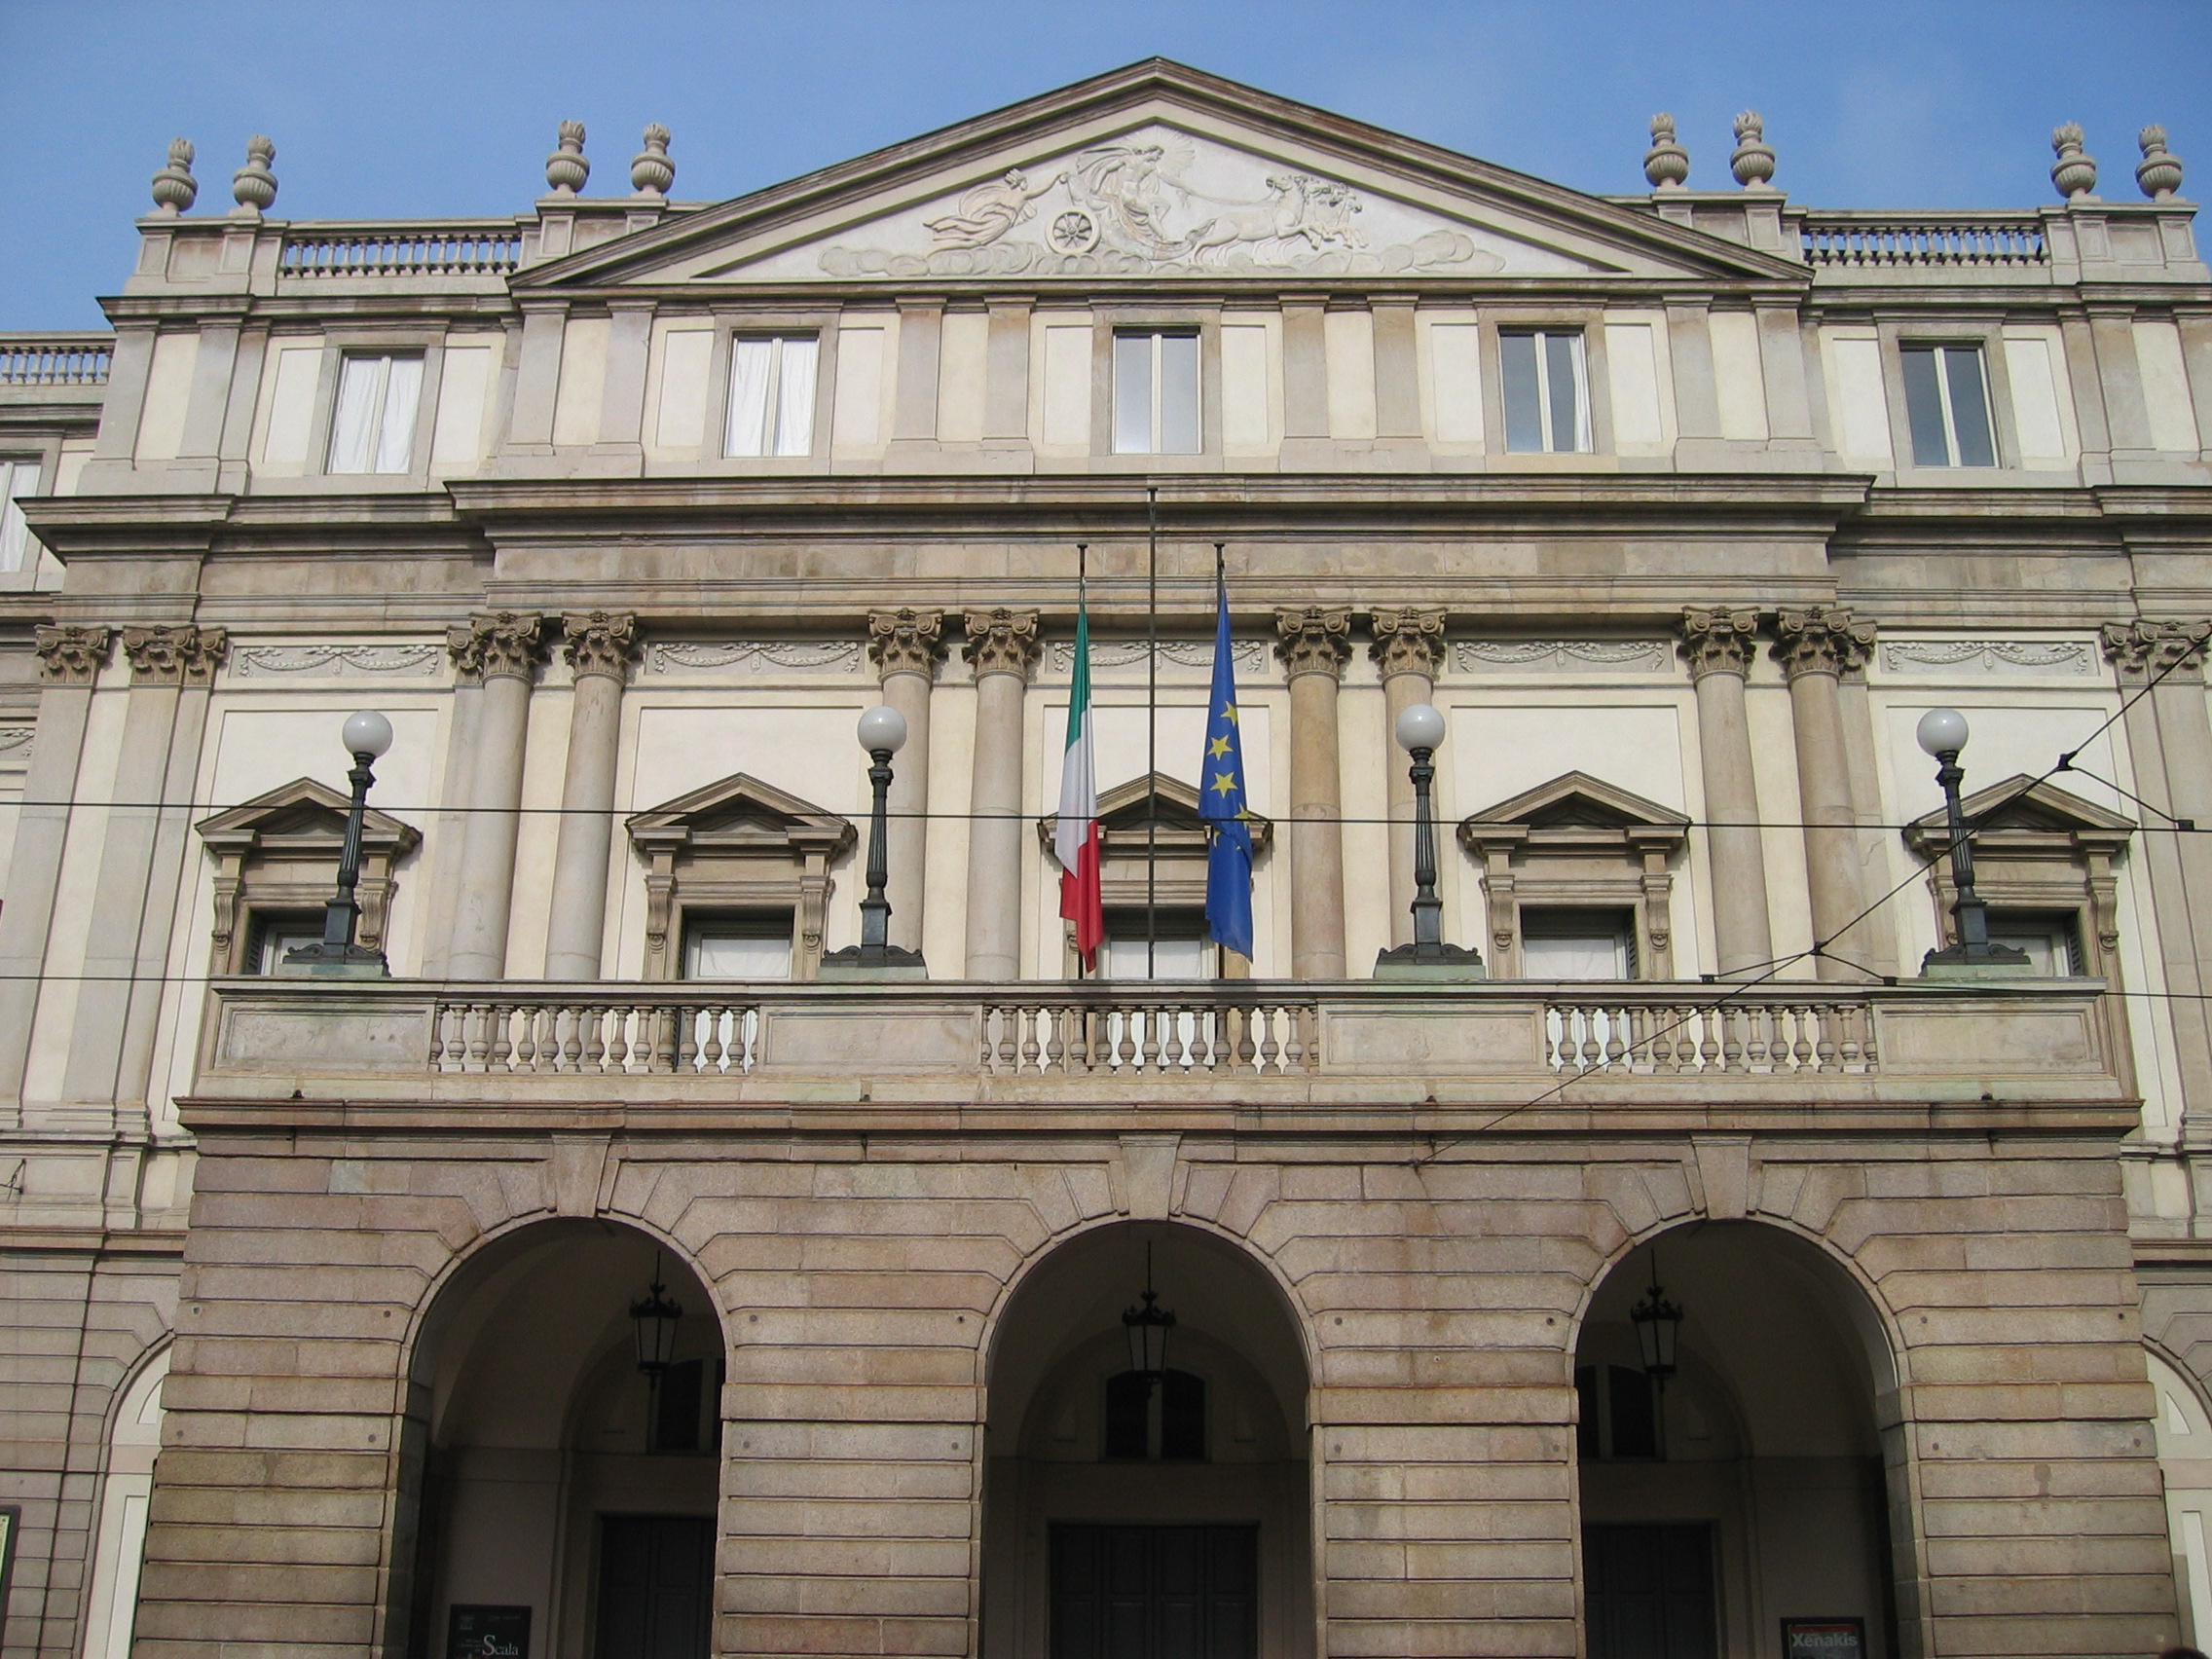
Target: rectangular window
(1179,947)
(372,430)
(2052,938)
(747,946)
(771,396)
(1547,391)
(1577,945)
(1156,393)
(17,479)
(1946,400)
(274,931)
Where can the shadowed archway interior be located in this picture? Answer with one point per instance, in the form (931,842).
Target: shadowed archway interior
(556,1485)
(1142,1520)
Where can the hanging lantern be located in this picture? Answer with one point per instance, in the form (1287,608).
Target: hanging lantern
(1147,1326)
(655,1320)
(1658,1325)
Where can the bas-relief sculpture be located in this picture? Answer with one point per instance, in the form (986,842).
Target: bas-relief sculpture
(1158,202)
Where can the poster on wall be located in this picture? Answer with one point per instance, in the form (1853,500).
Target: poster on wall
(480,1632)
(1823,1638)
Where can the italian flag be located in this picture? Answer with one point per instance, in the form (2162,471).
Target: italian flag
(1075,838)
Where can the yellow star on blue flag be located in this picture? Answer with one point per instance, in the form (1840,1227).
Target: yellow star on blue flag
(1221,803)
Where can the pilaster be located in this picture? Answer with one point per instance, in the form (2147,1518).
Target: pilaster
(502,648)
(1314,642)
(1002,648)
(1719,643)
(1815,643)
(600,647)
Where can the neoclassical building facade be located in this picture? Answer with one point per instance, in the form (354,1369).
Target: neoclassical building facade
(1740,1260)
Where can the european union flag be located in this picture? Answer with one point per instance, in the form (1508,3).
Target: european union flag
(1220,800)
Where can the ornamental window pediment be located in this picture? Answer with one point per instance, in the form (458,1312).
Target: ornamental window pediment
(277,866)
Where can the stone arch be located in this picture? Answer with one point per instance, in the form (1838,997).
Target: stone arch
(1775,1468)
(534,1457)
(2183,1425)
(125,1492)
(1067,1479)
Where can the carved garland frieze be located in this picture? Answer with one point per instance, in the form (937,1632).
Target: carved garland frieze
(16,744)
(1989,656)
(1608,656)
(1182,653)
(332,662)
(753,656)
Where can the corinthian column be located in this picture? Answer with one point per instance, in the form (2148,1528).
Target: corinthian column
(502,648)
(2170,740)
(1314,644)
(69,659)
(1408,650)
(907,646)
(600,647)
(1717,645)
(1001,644)
(1815,644)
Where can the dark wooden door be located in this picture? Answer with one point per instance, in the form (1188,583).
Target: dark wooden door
(655,1586)
(1154,1592)
(1648,1592)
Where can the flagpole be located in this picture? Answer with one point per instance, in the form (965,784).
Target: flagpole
(1081,577)
(1152,732)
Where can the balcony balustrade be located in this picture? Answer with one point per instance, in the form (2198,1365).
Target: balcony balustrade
(1925,239)
(1709,1054)
(432,248)
(55,360)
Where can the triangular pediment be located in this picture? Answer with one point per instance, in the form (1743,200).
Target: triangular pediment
(1576,801)
(298,815)
(1169,805)
(740,813)
(2022,806)
(1155,171)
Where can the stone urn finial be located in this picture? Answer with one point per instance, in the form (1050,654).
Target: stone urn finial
(652,173)
(566,168)
(1666,164)
(175,190)
(253,184)
(2075,172)
(2159,172)
(1752,162)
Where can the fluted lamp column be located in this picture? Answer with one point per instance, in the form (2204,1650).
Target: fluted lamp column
(1942,734)
(367,735)
(882,734)
(1420,730)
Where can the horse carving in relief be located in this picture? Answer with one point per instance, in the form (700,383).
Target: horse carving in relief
(1298,207)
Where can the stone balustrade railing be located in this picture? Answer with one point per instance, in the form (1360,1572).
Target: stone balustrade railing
(1761,1032)
(1945,240)
(1455,1056)
(55,360)
(445,248)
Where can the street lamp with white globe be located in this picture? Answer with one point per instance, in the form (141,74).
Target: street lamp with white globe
(366,736)
(882,733)
(1942,733)
(1419,731)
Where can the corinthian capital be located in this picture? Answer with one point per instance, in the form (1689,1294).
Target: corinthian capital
(174,656)
(1002,642)
(1821,638)
(1313,638)
(906,642)
(2142,649)
(1409,639)
(72,654)
(1720,640)
(496,642)
(599,641)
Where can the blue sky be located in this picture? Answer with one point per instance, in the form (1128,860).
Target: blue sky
(434,107)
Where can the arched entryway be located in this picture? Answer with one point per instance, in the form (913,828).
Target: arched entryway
(562,1487)
(1134,1515)
(1743,1504)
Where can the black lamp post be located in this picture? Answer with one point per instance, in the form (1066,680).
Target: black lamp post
(366,736)
(1147,1326)
(1418,731)
(882,733)
(1658,1325)
(1942,733)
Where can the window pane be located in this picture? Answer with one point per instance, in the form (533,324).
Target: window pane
(402,396)
(1132,393)
(353,424)
(1924,407)
(1524,408)
(1559,353)
(1171,958)
(2051,941)
(716,953)
(749,367)
(273,936)
(17,479)
(1570,958)
(794,398)
(1179,394)
(1970,406)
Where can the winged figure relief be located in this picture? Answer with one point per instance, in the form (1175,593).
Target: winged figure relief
(989,210)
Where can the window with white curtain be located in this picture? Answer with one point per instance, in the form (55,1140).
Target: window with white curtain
(1946,402)
(372,430)
(771,395)
(1572,942)
(1156,393)
(738,945)
(1547,390)
(17,479)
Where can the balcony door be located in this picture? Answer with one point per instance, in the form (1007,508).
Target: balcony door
(1154,1592)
